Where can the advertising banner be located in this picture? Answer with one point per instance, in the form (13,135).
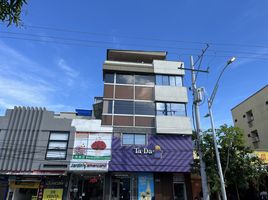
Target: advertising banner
(145,186)
(263,155)
(52,194)
(92,151)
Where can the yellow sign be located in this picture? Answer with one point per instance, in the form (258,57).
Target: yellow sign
(263,155)
(52,194)
(17,184)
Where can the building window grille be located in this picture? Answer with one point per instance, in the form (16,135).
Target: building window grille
(168,80)
(170,109)
(133,139)
(57,146)
(255,136)
(250,116)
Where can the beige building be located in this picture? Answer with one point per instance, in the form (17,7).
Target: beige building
(251,115)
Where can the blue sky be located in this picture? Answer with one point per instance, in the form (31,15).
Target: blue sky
(40,71)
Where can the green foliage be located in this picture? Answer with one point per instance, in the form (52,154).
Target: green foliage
(240,167)
(10,11)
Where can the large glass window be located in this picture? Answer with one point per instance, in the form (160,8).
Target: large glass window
(133,139)
(144,80)
(168,80)
(109,77)
(144,108)
(123,107)
(171,109)
(57,145)
(124,78)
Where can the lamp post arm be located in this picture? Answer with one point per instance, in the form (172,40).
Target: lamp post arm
(213,94)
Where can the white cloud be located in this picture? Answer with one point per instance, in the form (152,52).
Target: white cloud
(70,73)
(24,82)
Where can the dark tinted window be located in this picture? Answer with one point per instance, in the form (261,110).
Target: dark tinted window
(109,78)
(124,79)
(144,80)
(144,108)
(168,80)
(123,107)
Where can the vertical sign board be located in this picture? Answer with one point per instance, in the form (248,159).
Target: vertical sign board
(92,151)
(145,186)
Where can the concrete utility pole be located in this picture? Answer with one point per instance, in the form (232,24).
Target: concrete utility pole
(197,100)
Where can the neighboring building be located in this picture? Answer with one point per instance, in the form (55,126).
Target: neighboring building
(251,115)
(36,149)
(145,103)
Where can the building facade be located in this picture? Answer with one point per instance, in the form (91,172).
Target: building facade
(35,154)
(251,115)
(145,102)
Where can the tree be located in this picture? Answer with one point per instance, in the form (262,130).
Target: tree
(10,11)
(242,170)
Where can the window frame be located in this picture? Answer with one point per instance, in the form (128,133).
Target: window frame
(162,77)
(134,144)
(56,149)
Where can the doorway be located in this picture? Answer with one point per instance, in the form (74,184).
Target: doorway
(179,191)
(121,188)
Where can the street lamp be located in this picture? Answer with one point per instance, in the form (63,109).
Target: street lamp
(210,102)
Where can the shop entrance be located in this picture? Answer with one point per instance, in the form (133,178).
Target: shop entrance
(179,191)
(91,188)
(121,188)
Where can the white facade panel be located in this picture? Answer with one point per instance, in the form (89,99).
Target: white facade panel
(168,67)
(173,125)
(171,94)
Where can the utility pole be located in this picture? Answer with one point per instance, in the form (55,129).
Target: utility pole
(197,100)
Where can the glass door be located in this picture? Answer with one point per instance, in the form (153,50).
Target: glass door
(115,189)
(179,191)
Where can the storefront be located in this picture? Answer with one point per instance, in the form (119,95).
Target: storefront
(90,160)
(159,170)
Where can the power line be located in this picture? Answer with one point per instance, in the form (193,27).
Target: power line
(143,38)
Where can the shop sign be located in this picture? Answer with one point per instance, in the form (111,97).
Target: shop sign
(92,151)
(263,155)
(156,152)
(52,194)
(19,184)
(145,186)
(93,166)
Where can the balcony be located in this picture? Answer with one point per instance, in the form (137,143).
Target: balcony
(173,125)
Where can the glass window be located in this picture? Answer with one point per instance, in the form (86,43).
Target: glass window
(144,80)
(57,145)
(133,139)
(158,80)
(178,81)
(172,81)
(165,80)
(128,139)
(59,136)
(140,139)
(123,107)
(178,109)
(124,79)
(144,108)
(144,93)
(160,108)
(107,106)
(51,154)
(109,77)
(171,109)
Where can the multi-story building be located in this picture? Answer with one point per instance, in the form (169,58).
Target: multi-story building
(251,115)
(145,102)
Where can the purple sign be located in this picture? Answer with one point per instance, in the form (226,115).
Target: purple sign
(164,153)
